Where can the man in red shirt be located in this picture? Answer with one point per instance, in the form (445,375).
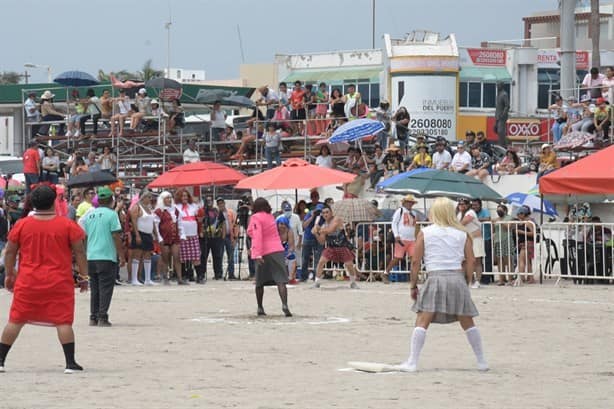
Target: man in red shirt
(297,101)
(31,165)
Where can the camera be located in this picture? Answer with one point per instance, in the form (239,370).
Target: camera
(317,212)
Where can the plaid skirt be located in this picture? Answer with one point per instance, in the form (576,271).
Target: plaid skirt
(338,254)
(189,249)
(445,293)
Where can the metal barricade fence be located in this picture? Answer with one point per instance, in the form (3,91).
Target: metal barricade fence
(582,252)
(507,250)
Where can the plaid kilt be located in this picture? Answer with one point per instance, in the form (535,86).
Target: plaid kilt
(189,249)
(338,254)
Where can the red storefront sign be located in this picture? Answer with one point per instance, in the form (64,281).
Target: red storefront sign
(551,58)
(487,57)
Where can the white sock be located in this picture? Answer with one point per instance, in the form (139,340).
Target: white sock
(147,270)
(317,279)
(475,340)
(415,346)
(135,271)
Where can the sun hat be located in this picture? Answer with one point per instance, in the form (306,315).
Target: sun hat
(47,95)
(142,91)
(544,146)
(409,198)
(283,220)
(104,193)
(154,101)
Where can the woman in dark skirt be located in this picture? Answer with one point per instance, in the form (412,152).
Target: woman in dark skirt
(268,253)
(445,298)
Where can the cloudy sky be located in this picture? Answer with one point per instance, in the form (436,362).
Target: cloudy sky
(112,35)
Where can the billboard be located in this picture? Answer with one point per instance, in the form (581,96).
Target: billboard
(431,101)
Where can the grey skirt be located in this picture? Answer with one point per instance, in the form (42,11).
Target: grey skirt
(445,293)
(273,271)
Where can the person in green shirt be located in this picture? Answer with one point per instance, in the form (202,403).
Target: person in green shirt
(104,251)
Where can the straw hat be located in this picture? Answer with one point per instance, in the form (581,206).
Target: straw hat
(47,95)
(544,146)
(409,198)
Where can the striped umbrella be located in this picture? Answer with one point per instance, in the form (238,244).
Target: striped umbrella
(355,130)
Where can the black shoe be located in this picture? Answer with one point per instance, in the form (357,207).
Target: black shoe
(104,322)
(232,278)
(182,282)
(118,282)
(286,311)
(93,322)
(261,312)
(72,368)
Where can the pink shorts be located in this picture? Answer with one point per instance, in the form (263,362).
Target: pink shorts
(406,248)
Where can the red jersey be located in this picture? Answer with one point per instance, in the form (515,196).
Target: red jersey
(31,159)
(44,290)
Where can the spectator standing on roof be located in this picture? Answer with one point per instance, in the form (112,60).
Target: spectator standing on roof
(31,165)
(592,83)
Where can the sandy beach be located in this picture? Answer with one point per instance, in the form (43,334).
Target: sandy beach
(203,346)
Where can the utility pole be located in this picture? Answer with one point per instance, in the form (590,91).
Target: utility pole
(568,47)
(595,33)
(373,24)
(168,48)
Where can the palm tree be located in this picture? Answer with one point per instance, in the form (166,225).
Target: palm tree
(595,31)
(148,72)
(10,77)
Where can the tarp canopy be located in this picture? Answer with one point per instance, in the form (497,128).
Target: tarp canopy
(485,74)
(590,179)
(334,74)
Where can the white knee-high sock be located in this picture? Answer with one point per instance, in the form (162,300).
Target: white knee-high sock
(135,271)
(415,346)
(147,270)
(475,340)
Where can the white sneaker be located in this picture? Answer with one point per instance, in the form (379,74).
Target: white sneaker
(406,367)
(150,283)
(310,276)
(476,284)
(136,283)
(1,369)
(316,285)
(483,366)
(354,286)
(77,134)
(68,134)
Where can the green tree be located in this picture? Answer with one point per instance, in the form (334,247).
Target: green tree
(10,77)
(148,72)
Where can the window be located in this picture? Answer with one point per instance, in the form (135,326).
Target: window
(479,94)
(475,94)
(374,97)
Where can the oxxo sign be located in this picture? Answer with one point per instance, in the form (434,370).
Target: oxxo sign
(521,129)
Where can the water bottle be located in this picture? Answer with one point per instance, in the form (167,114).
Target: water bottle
(52,130)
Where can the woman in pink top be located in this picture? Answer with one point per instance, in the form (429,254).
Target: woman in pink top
(268,253)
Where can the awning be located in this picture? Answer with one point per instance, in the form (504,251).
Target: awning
(334,74)
(485,74)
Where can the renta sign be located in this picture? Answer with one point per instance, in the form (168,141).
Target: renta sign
(552,58)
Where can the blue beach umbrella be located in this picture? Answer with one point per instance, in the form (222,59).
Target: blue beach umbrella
(75,79)
(355,130)
(532,201)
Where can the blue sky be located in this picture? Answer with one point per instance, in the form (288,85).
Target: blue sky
(112,35)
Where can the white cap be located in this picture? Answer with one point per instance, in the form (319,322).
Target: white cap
(544,146)
(142,91)
(154,101)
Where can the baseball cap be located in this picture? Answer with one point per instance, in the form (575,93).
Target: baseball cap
(219,199)
(286,207)
(104,193)
(525,210)
(461,143)
(319,206)
(142,91)
(544,146)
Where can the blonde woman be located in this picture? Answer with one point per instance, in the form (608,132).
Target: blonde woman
(447,249)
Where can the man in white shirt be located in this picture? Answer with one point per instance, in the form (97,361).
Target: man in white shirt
(404,232)
(32,112)
(268,99)
(191,155)
(593,82)
(461,162)
(218,122)
(441,157)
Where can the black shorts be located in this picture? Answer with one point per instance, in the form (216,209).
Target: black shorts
(146,242)
(298,114)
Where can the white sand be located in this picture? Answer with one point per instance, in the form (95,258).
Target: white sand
(202,346)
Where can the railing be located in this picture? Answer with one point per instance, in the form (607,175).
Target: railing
(504,246)
(582,252)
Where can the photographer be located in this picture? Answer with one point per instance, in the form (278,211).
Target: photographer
(244,208)
(310,244)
